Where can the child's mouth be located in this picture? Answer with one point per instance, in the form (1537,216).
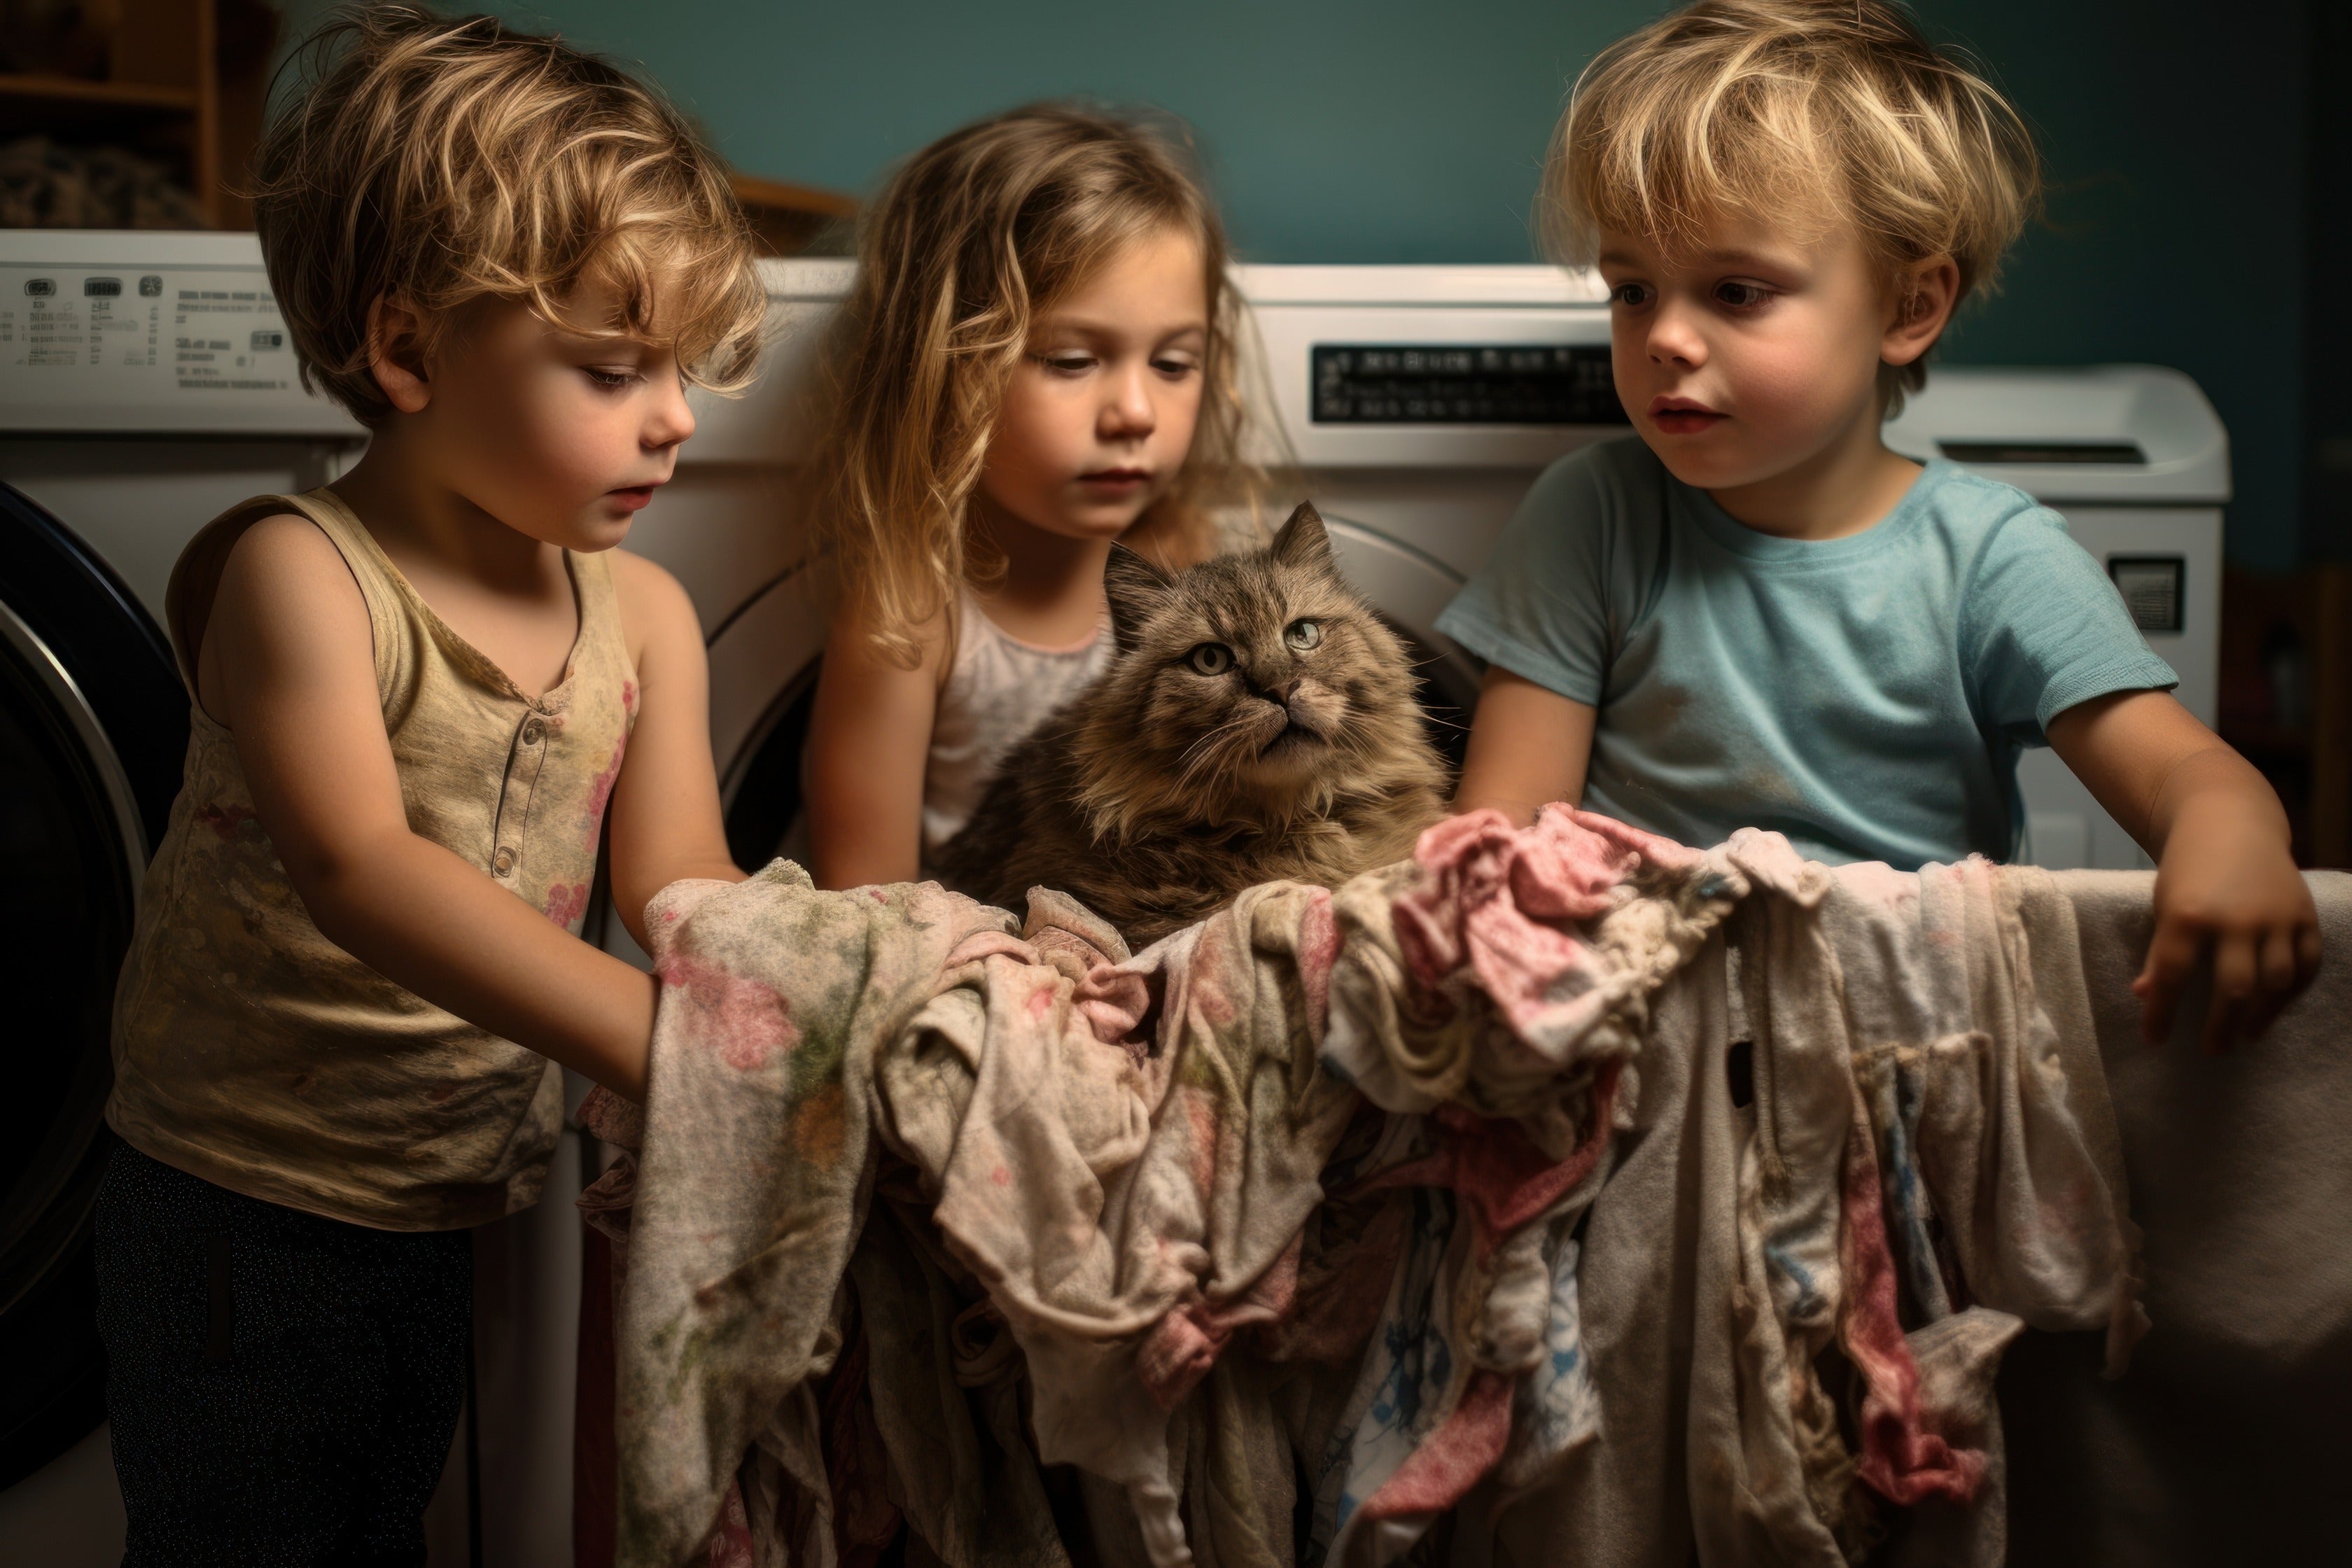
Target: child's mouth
(634,498)
(1116,479)
(1680,418)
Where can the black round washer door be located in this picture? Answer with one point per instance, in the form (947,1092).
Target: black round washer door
(92,724)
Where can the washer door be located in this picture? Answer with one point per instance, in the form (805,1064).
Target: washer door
(763,663)
(93,722)
(1409,588)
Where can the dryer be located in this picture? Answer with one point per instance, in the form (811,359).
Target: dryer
(145,383)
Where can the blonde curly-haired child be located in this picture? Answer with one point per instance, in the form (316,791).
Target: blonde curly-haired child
(419,696)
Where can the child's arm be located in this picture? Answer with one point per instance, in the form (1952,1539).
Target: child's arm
(288,665)
(2224,875)
(1528,746)
(869,741)
(665,815)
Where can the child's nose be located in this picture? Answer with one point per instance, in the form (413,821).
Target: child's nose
(1130,411)
(1675,337)
(670,420)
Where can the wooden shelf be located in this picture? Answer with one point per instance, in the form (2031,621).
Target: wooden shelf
(114,95)
(787,217)
(184,86)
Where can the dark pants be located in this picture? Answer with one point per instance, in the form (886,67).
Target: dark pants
(282,1388)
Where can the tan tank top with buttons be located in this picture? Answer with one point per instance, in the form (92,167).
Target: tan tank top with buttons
(252,1052)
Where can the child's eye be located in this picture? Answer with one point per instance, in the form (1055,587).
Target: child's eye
(1630,294)
(1067,365)
(1303,636)
(1741,296)
(610,380)
(1174,369)
(1211,658)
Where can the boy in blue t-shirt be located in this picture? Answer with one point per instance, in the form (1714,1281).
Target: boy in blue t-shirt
(1758,615)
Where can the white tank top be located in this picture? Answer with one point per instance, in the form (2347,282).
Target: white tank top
(999,690)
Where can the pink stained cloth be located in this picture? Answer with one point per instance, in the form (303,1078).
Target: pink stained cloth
(1516,906)
(1902,1456)
(1140,1215)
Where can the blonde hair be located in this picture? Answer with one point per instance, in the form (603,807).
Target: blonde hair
(438,162)
(1789,109)
(970,242)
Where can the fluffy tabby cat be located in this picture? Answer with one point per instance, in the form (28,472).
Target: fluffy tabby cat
(1256,723)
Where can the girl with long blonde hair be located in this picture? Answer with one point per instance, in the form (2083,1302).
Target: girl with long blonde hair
(1036,362)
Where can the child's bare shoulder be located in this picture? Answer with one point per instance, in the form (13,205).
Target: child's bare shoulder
(646,585)
(284,539)
(855,641)
(656,612)
(284,566)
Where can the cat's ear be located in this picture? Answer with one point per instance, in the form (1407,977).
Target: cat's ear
(1302,540)
(1135,588)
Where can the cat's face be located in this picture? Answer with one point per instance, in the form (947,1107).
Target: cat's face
(1252,675)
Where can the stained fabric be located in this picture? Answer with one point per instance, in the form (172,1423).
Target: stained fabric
(1902,1041)
(1339,1214)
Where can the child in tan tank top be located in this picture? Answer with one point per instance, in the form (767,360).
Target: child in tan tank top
(419,696)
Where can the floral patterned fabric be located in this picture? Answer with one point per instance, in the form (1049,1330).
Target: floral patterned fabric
(1439,1193)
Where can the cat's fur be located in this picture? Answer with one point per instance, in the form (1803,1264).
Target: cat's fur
(1171,784)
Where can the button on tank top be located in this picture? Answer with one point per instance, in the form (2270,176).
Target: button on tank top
(252,1051)
(998,691)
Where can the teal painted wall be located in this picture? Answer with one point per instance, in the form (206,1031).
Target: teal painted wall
(1408,130)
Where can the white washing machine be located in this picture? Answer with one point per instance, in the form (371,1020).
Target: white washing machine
(1425,458)
(146,385)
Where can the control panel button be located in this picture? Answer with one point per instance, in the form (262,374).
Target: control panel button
(1464,383)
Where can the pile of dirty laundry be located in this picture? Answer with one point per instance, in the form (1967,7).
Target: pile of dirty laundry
(1602,1198)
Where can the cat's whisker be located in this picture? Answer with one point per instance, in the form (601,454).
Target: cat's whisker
(1212,735)
(1214,770)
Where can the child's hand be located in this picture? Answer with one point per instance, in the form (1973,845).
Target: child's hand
(2226,879)
(2223,876)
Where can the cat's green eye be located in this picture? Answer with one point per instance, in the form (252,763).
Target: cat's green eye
(1303,635)
(1211,658)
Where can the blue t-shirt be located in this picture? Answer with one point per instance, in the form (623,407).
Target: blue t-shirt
(1866,695)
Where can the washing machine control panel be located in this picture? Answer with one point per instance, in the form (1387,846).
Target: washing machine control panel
(96,343)
(1464,383)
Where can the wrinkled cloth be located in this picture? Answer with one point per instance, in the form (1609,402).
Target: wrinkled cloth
(1500,982)
(1288,1201)
(1129,1203)
(1129,1226)
(1500,961)
(748,1192)
(1897,1036)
